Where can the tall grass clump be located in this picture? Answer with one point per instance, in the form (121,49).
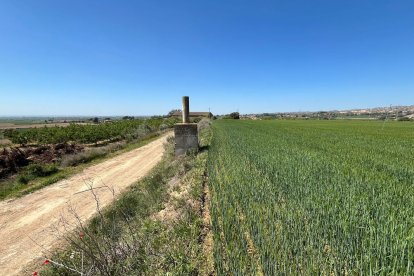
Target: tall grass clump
(36,170)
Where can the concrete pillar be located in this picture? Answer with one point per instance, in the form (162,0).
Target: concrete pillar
(186,110)
(186,134)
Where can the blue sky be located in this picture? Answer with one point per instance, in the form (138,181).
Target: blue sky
(139,57)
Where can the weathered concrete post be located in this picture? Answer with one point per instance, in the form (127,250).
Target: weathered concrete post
(186,134)
(186,110)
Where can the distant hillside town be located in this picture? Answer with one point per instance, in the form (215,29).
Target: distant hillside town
(401,113)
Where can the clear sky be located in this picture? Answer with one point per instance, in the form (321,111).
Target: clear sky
(80,57)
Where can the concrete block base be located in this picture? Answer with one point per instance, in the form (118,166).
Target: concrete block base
(186,138)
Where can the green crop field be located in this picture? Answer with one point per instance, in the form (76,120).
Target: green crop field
(312,197)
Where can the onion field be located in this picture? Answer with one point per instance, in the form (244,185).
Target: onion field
(312,197)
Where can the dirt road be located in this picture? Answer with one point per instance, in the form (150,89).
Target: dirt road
(27,223)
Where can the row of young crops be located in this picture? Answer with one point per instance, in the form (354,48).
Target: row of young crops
(91,133)
(312,197)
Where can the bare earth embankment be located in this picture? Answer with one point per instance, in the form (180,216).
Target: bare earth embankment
(27,224)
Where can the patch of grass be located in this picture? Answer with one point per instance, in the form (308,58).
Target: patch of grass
(36,170)
(44,181)
(32,178)
(28,174)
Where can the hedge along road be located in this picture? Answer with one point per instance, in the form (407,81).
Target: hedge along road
(28,224)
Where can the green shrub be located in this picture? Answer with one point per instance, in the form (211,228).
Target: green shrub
(36,170)
(23,179)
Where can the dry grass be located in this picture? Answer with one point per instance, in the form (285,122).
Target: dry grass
(91,154)
(5,142)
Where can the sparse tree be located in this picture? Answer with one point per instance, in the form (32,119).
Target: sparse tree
(235,115)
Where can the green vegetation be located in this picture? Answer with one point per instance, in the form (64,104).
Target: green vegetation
(21,120)
(31,178)
(233,115)
(92,133)
(312,197)
(404,119)
(36,170)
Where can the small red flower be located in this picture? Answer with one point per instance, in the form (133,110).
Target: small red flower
(46,262)
(35,273)
(81,235)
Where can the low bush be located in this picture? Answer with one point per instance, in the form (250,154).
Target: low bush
(36,170)
(90,154)
(404,119)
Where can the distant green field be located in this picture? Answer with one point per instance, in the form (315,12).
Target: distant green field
(20,121)
(312,197)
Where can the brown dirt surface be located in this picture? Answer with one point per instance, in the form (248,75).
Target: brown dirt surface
(27,223)
(5,142)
